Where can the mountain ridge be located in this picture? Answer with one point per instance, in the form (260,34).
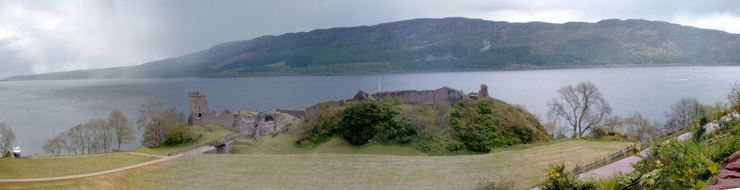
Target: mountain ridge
(441,44)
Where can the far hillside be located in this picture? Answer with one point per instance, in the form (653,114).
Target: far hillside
(446,44)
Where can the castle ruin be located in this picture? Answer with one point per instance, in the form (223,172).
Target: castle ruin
(254,125)
(441,96)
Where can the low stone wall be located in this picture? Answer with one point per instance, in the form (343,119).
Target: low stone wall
(294,113)
(444,95)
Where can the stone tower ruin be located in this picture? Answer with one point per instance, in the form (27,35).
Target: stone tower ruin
(483,93)
(197,107)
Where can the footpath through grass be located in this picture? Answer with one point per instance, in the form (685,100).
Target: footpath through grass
(207,134)
(67,165)
(521,167)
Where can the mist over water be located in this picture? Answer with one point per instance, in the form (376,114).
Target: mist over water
(39,110)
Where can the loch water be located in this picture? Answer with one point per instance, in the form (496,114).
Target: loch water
(39,110)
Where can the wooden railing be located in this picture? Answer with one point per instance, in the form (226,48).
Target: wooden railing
(623,152)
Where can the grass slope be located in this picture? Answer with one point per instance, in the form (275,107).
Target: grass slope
(208,133)
(67,165)
(523,166)
(285,144)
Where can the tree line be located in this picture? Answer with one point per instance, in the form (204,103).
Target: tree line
(94,136)
(582,110)
(100,135)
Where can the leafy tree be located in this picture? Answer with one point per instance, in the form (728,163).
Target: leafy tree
(323,123)
(157,122)
(6,139)
(582,107)
(374,120)
(123,130)
(179,135)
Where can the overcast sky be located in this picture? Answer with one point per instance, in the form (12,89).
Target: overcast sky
(47,36)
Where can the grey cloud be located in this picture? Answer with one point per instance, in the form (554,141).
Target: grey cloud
(96,34)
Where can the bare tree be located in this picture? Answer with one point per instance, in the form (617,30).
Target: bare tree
(101,136)
(123,130)
(157,122)
(683,113)
(553,127)
(55,145)
(734,96)
(638,128)
(6,139)
(582,107)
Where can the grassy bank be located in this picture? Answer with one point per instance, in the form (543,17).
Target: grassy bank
(285,144)
(67,165)
(523,167)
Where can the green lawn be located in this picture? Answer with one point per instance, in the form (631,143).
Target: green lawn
(209,133)
(523,167)
(67,165)
(285,144)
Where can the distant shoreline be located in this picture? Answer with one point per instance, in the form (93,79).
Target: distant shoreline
(276,74)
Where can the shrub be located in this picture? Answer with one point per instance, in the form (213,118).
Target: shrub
(558,178)
(496,185)
(724,147)
(375,120)
(698,134)
(437,145)
(324,124)
(482,125)
(179,135)
(677,165)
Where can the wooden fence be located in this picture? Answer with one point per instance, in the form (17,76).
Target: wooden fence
(623,152)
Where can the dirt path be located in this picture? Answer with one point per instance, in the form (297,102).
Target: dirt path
(199,150)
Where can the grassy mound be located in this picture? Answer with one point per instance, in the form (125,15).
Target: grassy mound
(469,125)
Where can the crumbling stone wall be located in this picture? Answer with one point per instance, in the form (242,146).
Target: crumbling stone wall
(444,95)
(294,113)
(262,124)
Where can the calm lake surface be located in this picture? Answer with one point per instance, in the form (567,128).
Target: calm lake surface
(39,110)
